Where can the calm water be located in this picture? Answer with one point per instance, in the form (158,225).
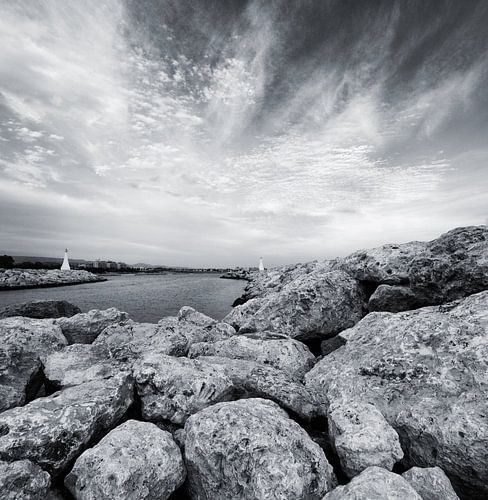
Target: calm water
(146,298)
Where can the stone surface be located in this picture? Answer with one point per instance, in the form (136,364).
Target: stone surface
(375,483)
(426,371)
(80,363)
(362,438)
(23,480)
(252,379)
(174,388)
(41,309)
(316,305)
(33,278)
(84,328)
(53,430)
(280,352)
(136,460)
(430,483)
(131,341)
(393,298)
(22,342)
(250,449)
(330,345)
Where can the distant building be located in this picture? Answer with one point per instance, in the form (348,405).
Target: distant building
(65,266)
(261,265)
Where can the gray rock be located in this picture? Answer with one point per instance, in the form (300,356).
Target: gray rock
(41,309)
(393,298)
(131,341)
(363,438)
(330,345)
(22,342)
(80,363)
(84,328)
(250,449)
(426,371)
(430,483)
(53,430)
(375,483)
(136,460)
(316,305)
(253,379)
(175,388)
(33,278)
(281,352)
(23,480)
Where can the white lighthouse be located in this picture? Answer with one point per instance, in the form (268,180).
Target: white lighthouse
(65,266)
(261,265)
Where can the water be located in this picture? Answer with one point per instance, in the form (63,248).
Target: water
(146,297)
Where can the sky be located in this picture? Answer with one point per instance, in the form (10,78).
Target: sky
(213,132)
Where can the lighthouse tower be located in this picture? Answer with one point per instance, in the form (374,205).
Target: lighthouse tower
(65,266)
(261,265)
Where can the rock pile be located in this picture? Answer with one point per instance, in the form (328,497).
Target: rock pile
(11,279)
(97,406)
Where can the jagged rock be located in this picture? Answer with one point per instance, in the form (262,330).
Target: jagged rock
(136,460)
(253,379)
(22,342)
(426,371)
(175,388)
(33,278)
(280,352)
(80,363)
(430,483)
(330,345)
(84,328)
(41,309)
(23,480)
(131,341)
(316,305)
(375,483)
(393,298)
(362,438)
(250,449)
(53,430)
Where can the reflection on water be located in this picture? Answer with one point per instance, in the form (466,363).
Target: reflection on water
(145,297)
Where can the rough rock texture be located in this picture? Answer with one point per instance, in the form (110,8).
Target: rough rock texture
(252,379)
(330,345)
(130,341)
(280,352)
(84,328)
(250,449)
(41,309)
(316,305)
(22,341)
(23,480)
(136,460)
(175,388)
(80,363)
(430,483)
(52,431)
(375,483)
(362,438)
(32,278)
(426,372)
(393,298)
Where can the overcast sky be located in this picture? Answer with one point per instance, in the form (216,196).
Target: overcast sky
(210,133)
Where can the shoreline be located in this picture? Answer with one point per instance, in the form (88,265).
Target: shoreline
(48,285)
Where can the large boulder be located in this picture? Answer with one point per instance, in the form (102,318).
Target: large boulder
(80,363)
(137,460)
(84,328)
(315,305)
(250,449)
(375,483)
(393,298)
(23,480)
(362,438)
(426,371)
(174,388)
(53,430)
(41,309)
(22,342)
(130,341)
(278,351)
(430,483)
(252,379)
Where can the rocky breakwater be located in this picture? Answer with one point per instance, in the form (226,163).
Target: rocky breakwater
(11,279)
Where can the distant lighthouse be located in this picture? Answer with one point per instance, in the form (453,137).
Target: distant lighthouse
(261,265)
(65,266)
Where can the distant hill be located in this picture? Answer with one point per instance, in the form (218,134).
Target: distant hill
(149,266)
